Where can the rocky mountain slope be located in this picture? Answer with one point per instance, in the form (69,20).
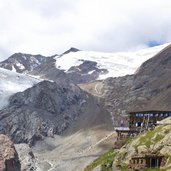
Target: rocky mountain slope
(69,117)
(148,89)
(49,108)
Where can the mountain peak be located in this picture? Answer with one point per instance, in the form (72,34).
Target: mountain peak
(72,49)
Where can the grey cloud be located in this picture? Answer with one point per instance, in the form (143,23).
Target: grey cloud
(51,26)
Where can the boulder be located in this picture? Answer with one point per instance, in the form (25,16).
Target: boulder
(26,157)
(9,160)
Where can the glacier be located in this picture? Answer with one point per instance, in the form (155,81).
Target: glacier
(117,64)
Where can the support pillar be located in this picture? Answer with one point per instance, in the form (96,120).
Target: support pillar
(157,162)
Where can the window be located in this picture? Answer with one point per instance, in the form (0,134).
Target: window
(139,124)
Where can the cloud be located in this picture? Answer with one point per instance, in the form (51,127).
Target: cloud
(52,26)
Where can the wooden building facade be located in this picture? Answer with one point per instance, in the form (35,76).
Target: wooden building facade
(141,120)
(122,134)
(147,161)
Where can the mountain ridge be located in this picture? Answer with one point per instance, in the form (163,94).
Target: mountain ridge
(80,66)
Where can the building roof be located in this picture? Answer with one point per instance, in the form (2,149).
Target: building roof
(148,111)
(146,156)
(122,129)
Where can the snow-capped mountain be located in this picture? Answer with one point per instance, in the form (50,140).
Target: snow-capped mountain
(12,82)
(116,64)
(79,66)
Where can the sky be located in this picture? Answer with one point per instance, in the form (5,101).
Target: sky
(51,27)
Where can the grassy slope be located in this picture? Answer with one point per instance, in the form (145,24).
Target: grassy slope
(105,161)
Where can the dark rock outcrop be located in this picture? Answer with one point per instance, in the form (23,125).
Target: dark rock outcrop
(8,156)
(48,70)
(72,49)
(85,72)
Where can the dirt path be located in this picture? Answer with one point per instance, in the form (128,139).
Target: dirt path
(98,142)
(98,89)
(94,88)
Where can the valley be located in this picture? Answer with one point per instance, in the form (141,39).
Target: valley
(64,108)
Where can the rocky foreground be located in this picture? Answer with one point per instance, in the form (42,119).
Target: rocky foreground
(9,160)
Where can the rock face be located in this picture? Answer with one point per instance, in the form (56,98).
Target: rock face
(8,156)
(46,109)
(26,157)
(149,88)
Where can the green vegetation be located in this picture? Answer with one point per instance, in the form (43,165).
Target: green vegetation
(148,138)
(105,161)
(128,140)
(158,137)
(166,131)
(123,167)
(169,160)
